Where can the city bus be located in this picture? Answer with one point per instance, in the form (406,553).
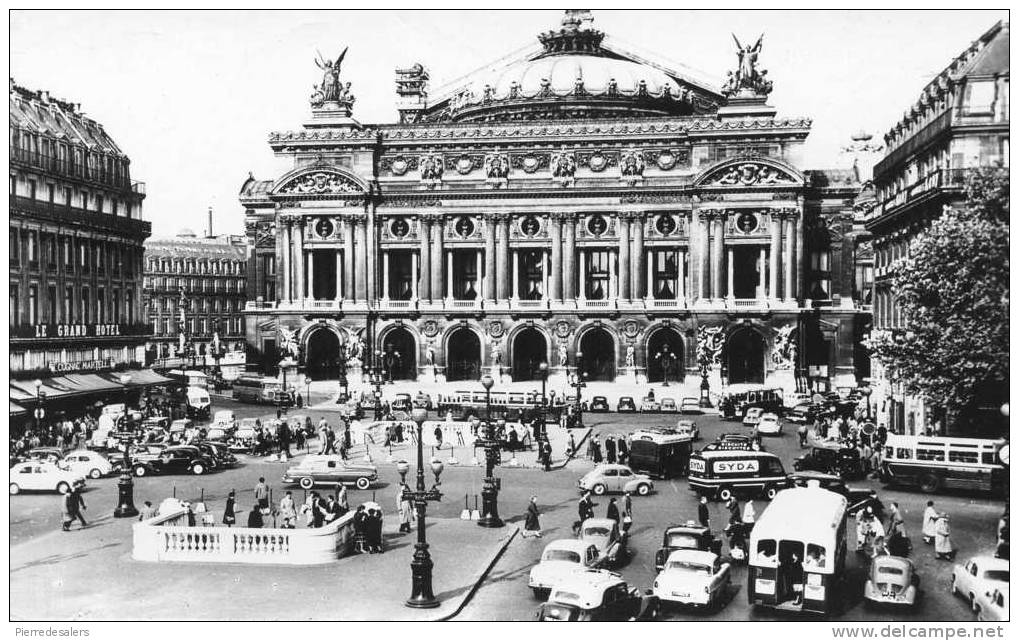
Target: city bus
(502,404)
(933,463)
(797,556)
(737,399)
(660,452)
(257,389)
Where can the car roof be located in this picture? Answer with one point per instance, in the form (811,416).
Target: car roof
(712,454)
(608,523)
(893,561)
(589,585)
(610,466)
(571,545)
(689,526)
(692,556)
(990,563)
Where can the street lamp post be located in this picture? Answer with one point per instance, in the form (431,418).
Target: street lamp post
(665,360)
(421,566)
(705,401)
(39,411)
(125,380)
(307,390)
(578,384)
(867,391)
(490,443)
(543,370)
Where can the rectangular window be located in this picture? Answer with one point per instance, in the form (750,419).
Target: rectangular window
(115,314)
(15,247)
(955,456)
(86,306)
(51,304)
(665,274)
(598,274)
(31,247)
(33,304)
(15,306)
(69,305)
(923,454)
(979,97)
(101,305)
(68,199)
(820,275)
(531,277)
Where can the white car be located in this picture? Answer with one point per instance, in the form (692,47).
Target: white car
(992,605)
(769,424)
(560,559)
(686,426)
(752,416)
(796,398)
(979,575)
(225,419)
(87,463)
(44,477)
(693,577)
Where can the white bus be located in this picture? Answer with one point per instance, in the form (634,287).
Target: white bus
(933,463)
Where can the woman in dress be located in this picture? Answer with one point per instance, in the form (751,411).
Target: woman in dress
(531,525)
(229,518)
(405,508)
(943,539)
(288,512)
(930,520)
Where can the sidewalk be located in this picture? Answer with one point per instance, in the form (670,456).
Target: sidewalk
(89,575)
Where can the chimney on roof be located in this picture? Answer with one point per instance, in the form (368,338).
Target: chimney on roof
(210,224)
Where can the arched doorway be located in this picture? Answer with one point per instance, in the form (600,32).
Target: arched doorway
(399,355)
(463,356)
(530,349)
(323,355)
(599,352)
(745,357)
(665,352)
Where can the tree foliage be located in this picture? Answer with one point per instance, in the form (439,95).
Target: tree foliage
(953,292)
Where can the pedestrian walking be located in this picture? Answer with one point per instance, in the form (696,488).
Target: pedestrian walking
(229,518)
(255,518)
(597,450)
(735,514)
(749,514)
(341,498)
(360,538)
(703,515)
(613,511)
(546,454)
(330,441)
(627,505)
(610,449)
(147,512)
(802,433)
(438,436)
(943,548)
(374,523)
(930,521)
(896,524)
(585,511)
(571,446)
(405,508)
(531,525)
(622,450)
(66,511)
(262,494)
(288,511)
(77,503)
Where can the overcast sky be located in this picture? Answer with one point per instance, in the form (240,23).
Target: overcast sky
(191,96)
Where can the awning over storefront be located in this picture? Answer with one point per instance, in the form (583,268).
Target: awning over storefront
(139,378)
(70,385)
(17,410)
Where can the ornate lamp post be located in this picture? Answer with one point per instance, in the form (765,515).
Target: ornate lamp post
(40,397)
(543,372)
(578,384)
(490,443)
(307,390)
(421,595)
(125,380)
(665,359)
(867,391)
(704,361)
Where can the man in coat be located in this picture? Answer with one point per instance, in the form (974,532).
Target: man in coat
(703,516)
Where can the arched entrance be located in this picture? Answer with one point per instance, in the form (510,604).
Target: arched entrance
(323,355)
(530,349)
(745,357)
(463,356)
(399,355)
(599,352)
(665,353)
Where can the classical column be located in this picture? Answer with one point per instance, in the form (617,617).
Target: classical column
(649,276)
(703,277)
(582,294)
(361,258)
(762,267)
(338,258)
(557,256)
(299,268)
(789,257)
(490,270)
(613,283)
(728,275)
(385,275)
(449,274)
(516,275)
(637,258)
(425,259)
(414,276)
(283,260)
(801,288)
(623,224)
(681,280)
(569,258)
(718,246)
(311,273)
(776,250)
(477,274)
(544,275)
(438,282)
(348,259)
(503,258)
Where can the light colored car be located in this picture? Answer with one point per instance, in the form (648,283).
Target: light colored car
(560,559)
(686,426)
(770,425)
(225,419)
(693,577)
(892,581)
(979,575)
(87,463)
(752,416)
(43,477)
(598,595)
(605,535)
(992,605)
(329,469)
(669,405)
(610,477)
(796,398)
(690,405)
(217,433)
(649,405)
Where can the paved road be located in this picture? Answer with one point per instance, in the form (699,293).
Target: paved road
(506,596)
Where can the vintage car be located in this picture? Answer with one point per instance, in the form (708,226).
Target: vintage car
(992,605)
(243,440)
(87,463)
(769,424)
(401,402)
(668,405)
(146,452)
(831,459)
(753,416)
(693,577)
(598,595)
(215,433)
(892,581)
(832,483)
(804,413)
(42,476)
(330,469)
(607,538)
(612,477)
(688,536)
(649,405)
(626,405)
(51,454)
(795,399)
(687,426)
(181,426)
(422,400)
(690,405)
(978,575)
(176,459)
(560,559)
(599,404)
(225,419)
(218,454)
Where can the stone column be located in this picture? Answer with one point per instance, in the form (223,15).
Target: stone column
(299,260)
(414,276)
(490,270)
(438,281)
(361,258)
(789,257)
(348,259)
(681,274)
(385,275)
(776,250)
(582,284)
(284,255)
(338,257)
(516,275)
(311,273)
(718,246)
(729,275)
(425,259)
(623,222)
(762,267)
(556,221)
(544,275)
(503,258)
(449,274)
(570,258)
(703,252)
(477,275)
(637,257)
(801,288)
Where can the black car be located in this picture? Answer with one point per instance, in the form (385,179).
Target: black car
(626,405)
(179,459)
(218,454)
(691,536)
(599,404)
(840,461)
(856,496)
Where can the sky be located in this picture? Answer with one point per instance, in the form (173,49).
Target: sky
(191,96)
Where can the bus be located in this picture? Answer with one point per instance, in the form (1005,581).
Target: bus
(257,389)
(933,463)
(737,399)
(660,452)
(797,556)
(503,404)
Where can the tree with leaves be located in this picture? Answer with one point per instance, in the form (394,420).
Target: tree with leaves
(953,292)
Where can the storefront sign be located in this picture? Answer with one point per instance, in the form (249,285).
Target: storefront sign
(74,366)
(73,331)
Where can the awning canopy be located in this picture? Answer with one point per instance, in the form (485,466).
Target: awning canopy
(83,384)
(139,378)
(17,410)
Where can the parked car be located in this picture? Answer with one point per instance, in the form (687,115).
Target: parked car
(329,469)
(599,404)
(649,405)
(686,426)
(795,399)
(693,577)
(42,476)
(979,575)
(690,405)
(559,560)
(770,425)
(626,405)
(892,581)
(611,477)
(243,440)
(51,454)
(689,536)
(753,416)
(831,459)
(422,400)
(225,419)
(598,595)
(993,605)
(607,538)
(177,459)
(668,405)
(401,402)
(87,463)
(732,442)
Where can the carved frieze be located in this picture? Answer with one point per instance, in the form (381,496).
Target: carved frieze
(320,182)
(399,165)
(666,159)
(747,174)
(597,161)
(529,163)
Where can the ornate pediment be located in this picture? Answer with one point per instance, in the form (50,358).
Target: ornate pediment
(322,181)
(749,173)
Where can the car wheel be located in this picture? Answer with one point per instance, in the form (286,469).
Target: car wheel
(14,488)
(198,469)
(140,470)
(95,474)
(307,482)
(770,492)
(63,487)
(930,483)
(362,483)
(598,489)
(643,489)
(725,493)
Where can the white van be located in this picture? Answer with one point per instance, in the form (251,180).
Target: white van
(199,403)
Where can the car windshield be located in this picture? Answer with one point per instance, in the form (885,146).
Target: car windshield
(596,531)
(562,555)
(690,566)
(890,569)
(996,575)
(682,541)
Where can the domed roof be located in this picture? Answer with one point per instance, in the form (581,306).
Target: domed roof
(574,76)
